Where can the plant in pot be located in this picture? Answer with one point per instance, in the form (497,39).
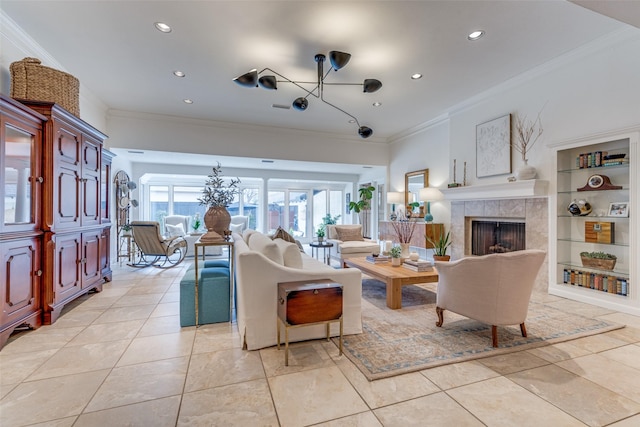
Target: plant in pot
(321,232)
(217,195)
(363,205)
(599,260)
(395,253)
(196,223)
(126,229)
(440,246)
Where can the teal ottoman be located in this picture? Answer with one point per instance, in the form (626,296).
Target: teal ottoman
(210,263)
(213,296)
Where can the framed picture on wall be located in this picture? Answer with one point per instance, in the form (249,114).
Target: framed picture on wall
(620,209)
(493,147)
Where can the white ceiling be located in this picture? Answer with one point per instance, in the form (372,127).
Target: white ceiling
(116,52)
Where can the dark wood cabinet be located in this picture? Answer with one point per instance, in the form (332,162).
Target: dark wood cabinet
(20,217)
(75,226)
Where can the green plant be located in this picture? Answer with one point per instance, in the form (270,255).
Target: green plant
(330,220)
(126,227)
(321,231)
(598,255)
(441,244)
(366,194)
(395,251)
(196,222)
(216,192)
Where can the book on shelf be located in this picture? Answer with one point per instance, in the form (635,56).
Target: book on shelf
(378,259)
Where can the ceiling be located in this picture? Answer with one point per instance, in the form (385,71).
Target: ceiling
(118,54)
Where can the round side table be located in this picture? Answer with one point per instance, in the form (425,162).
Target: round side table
(324,245)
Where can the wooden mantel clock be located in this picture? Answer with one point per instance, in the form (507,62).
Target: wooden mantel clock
(599,182)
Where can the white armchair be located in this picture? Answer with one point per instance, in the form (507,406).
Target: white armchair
(493,289)
(349,243)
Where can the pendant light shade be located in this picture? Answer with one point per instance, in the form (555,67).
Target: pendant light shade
(300,104)
(249,79)
(371,85)
(365,131)
(339,59)
(268,82)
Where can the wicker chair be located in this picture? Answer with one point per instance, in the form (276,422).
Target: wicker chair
(153,249)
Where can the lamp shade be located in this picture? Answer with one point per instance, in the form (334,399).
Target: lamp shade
(365,131)
(430,194)
(371,85)
(395,197)
(268,82)
(339,59)
(249,79)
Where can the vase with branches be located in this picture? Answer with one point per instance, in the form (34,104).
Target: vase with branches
(527,134)
(217,195)
(403,230)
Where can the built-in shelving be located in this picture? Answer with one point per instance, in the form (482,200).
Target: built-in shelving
(571,235)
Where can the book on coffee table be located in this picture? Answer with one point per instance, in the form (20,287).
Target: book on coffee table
(419,265)
(378,259)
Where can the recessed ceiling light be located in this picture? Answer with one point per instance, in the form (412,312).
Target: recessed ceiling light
(179,73)
(188,101)
(475,35)
(161,26)
(377,104)
(416,76)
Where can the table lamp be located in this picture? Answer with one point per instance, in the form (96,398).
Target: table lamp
(394,197)
(428,195)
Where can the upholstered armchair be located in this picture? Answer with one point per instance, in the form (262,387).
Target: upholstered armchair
(348,242)
(493,289)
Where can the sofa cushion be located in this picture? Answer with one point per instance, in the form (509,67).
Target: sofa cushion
(282,234)
(349,234)
(175,230)
(260,243)
(247,233)
(359,247)
(235,228)
(291,255)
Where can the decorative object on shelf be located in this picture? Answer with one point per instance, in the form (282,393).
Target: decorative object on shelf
(395,253)
(525,130)
(599,182)
(579,207)
(598,159)
(464,175)
(411,209)
(599,260)
(217,195)
(440,246)
(414,256)
(619,209)
(599,232)
(394,198)
(428,195)
(454,184)
(493,147)
(338,60)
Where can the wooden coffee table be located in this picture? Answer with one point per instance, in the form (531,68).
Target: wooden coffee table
(394,277)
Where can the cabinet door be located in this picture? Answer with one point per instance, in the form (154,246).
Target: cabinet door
(67,280)
(20,270)
(66,201)
(90,182)
(105,253)
(91,265)
(21,138)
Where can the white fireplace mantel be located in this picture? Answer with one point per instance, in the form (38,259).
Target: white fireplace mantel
(508,190)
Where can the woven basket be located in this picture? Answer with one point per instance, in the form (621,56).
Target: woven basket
(35,82)
(602,264)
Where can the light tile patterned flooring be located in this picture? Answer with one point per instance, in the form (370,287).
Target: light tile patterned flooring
(119,358)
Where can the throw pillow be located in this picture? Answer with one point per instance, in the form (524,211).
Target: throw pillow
(235,228)
(282,234)
(347,234)
(291,255)
(175,230)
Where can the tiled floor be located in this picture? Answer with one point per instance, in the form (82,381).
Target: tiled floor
(119,357)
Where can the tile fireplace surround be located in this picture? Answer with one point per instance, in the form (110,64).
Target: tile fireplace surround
(532,209)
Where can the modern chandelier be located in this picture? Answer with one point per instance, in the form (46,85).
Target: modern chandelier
(338,60)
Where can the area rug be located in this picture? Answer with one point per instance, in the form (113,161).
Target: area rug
(395,342)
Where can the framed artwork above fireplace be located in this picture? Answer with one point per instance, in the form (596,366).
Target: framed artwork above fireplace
(493,147)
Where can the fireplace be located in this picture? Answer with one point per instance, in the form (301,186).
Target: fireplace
(491,237)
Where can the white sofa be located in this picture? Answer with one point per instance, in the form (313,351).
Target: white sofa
(343,248)
(261,263)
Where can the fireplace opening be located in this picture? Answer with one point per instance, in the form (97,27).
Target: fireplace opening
(490,237)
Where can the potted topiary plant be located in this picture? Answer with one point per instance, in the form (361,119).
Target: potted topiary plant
(395,253)
(217,195)
(440,246)
(600,260)
(320,233)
